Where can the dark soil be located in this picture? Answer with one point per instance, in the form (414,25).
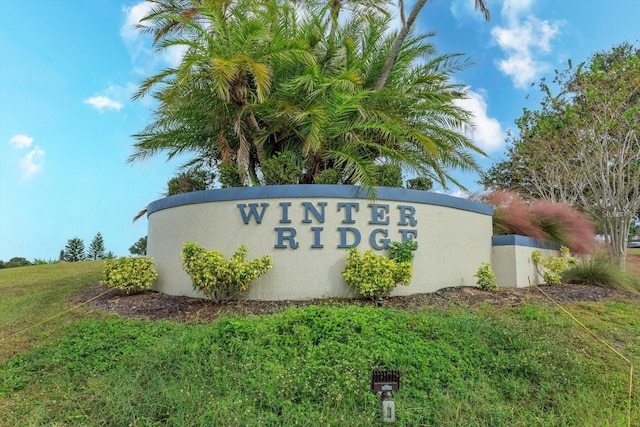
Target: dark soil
(156,306)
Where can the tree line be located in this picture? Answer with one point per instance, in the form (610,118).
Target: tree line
(582,146)
(75,251)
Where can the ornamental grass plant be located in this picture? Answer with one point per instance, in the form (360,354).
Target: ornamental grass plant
(552,222)
(600,271)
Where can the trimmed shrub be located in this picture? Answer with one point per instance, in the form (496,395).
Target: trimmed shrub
(420,183)
(129,274)
(389,175)
(553,266)
(373,275)
(281,169)
(216,277)
(229,176)
(403,251)
(328,176)
(486,277)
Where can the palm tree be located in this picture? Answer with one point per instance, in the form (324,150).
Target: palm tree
(224,74)
(407,25)
(331,115)
(259,80)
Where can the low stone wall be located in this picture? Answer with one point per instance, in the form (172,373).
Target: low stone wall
(306,229)
(511,259)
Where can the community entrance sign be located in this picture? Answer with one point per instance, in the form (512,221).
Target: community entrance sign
(306,229)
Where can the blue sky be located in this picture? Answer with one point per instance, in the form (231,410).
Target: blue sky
(68,69)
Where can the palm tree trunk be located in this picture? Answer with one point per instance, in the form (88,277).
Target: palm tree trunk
(397,44)
(404,32)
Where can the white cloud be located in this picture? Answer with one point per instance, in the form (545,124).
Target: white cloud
(143,56)
(523,41)
(513,9)
(20,141)
(487,132)
(465,9)
(103,102)
(133,15)
(32,163)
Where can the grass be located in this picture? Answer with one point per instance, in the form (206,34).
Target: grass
(31,294)
(524,366)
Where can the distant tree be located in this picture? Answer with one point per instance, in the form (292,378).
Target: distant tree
(582,147)
(388,175)
(139,247)
(193,179)
(17,262)
(61,256)
(96,248)
(74,251)
(420,183)
(110,255)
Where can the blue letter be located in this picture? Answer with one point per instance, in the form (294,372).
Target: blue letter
(343,237)
(408,234)
(285,213)
(378,214)
(308,207)
(348,206)
(407,212)
(384,243)
(281,238)
(316,238)
(253,211)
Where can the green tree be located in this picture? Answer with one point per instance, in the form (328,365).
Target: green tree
(74,250)
(420,183)
(583,146)
(96,248)
(139,247)
(192,179)
(17,262)
(257,81)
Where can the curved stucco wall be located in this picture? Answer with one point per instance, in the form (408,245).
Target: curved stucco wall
(453,235)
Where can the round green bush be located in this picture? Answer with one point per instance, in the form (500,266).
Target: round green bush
(129,274)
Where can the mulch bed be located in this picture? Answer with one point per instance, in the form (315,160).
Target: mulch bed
(156,306)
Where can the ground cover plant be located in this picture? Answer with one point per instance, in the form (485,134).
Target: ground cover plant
(524,365)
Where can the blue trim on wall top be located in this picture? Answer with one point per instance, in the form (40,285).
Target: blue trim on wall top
(517,240)
(315,191)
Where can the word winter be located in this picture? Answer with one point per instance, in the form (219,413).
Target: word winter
(349,232)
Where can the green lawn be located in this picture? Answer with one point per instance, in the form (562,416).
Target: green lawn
(529,365)
(29,295)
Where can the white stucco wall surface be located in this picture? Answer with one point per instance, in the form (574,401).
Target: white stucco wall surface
(307,228)
(513,263)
